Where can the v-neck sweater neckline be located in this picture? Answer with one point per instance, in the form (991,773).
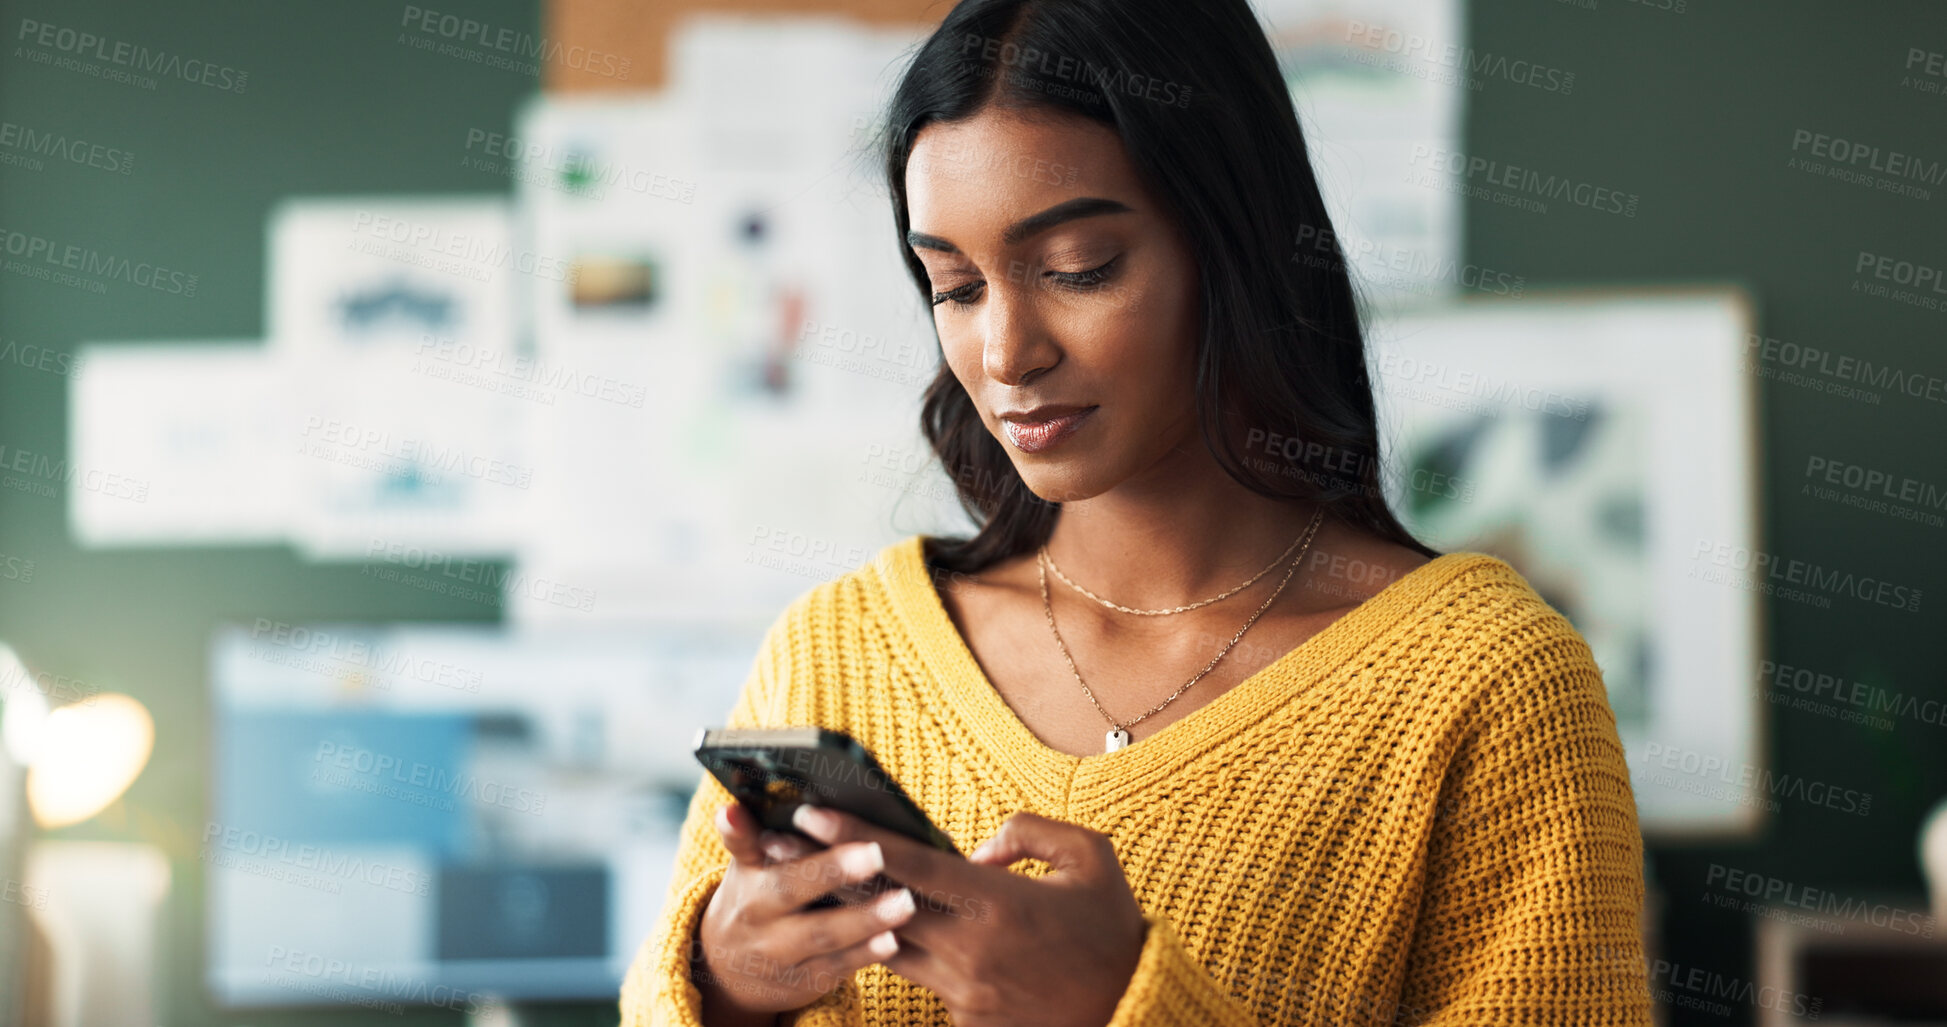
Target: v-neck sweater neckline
(1071,783)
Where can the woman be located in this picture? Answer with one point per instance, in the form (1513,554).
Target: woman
(1235,748)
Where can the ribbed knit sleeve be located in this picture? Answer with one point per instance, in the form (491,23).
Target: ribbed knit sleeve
(658,989)
(1530,908)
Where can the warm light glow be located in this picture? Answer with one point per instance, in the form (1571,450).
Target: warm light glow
(87,756)
(22,708)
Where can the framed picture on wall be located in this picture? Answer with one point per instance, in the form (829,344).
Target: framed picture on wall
(1604,445)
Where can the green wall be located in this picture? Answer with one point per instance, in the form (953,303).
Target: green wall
(333,104)
(1694,111)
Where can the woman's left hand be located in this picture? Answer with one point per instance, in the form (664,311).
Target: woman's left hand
(1001,948)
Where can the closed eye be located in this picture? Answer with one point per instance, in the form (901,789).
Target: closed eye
(1086,279)
(963,296)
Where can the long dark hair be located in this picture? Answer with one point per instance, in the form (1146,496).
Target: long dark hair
(1196,95)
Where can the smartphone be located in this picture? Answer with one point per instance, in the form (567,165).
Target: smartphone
(773,771)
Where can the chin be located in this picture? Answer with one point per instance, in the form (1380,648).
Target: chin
(1063,484)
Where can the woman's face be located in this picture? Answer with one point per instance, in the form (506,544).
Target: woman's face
(1057,281)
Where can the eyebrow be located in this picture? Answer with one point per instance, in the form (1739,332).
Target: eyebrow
(1067,210)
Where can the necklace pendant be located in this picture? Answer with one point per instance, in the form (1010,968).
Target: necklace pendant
(1116,739)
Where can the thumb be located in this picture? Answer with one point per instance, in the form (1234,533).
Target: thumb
(1064,846)
(740,833)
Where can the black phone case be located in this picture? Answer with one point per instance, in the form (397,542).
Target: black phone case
(774,771)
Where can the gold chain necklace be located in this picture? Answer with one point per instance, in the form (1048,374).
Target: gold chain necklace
(1118,735)
(1178,609)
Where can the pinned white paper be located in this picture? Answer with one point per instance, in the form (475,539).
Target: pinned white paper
(178,444)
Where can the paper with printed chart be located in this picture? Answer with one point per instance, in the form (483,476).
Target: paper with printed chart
(759,344)
(396,318)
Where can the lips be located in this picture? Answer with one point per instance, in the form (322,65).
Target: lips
(1040,429)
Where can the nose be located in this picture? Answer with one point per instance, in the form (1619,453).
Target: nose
(1017,344)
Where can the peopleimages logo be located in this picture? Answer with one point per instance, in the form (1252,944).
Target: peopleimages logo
(1861,164)
(41,358)
(463,571)
(1743,776)
(439,248)
(16,568)
(1457,59)
(59,687)
(1060,67)
(325,652)
(1901,272)
(304,864)
(30,142)
(77,45)
(34,251)
(1467,382)
(545,377)
(1398,267)
(1774,574)
(1919,285)
(1768,889)
(1875,491)
(1520,181)
(339,441)
(1872,158)
(22,894)
(372,987)
(510,46)
(573,168)
(1699,988)
(1843,370)
(377,773)
(1814,687)
(23,470)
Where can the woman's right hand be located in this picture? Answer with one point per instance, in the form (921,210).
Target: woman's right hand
(762,952)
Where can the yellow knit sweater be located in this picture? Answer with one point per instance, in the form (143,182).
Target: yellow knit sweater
(1419,815)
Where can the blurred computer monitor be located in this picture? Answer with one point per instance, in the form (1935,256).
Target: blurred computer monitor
(439,815)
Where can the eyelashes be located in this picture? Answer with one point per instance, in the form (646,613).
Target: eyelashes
(960,297)
(1079,281)
(1087,279)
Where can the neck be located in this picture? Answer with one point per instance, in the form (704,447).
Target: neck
(1182,533)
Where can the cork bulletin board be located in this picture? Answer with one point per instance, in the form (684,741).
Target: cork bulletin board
(640,31)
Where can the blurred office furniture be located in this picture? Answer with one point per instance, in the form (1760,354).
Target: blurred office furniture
(97,904)
(1884,966)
